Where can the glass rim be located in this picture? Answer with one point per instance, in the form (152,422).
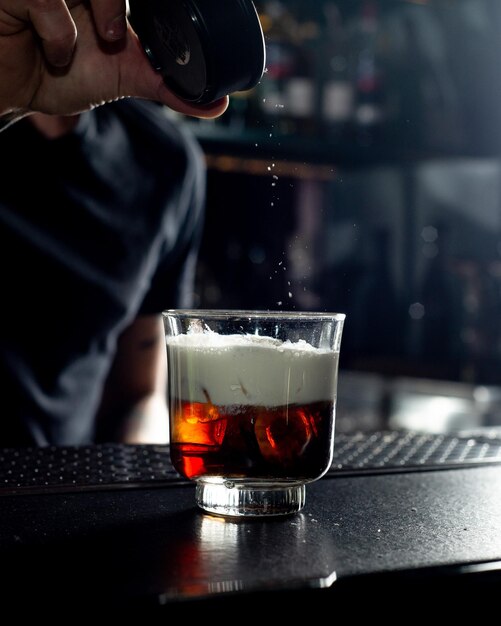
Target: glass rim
(254,314)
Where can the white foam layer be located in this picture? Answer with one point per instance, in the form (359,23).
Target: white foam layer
(250,369)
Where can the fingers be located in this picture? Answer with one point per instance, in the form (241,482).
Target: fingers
(56,29)
(110,18)
(203,111)
(206,111)
(54,25)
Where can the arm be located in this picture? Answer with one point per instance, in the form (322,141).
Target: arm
(134,398)
(62,57)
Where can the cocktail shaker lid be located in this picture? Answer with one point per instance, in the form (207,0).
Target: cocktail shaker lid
(204,49)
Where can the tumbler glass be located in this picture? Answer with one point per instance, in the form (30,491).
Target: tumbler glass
(252,404)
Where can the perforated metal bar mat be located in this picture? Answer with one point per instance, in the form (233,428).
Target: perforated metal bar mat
(105,466)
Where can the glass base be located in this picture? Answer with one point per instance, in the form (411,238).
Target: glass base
(239,498)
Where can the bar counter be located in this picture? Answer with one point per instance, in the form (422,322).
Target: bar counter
(367,529)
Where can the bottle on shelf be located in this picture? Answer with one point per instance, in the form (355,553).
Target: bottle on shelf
(278,26)
(287,93)
(301,87)
(367,74)
(337,100)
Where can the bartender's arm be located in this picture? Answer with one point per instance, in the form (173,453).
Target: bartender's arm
(133,406)
(64,57)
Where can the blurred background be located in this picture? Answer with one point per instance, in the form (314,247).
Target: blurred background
(363,175)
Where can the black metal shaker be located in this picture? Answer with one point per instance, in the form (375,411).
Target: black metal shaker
(204,49)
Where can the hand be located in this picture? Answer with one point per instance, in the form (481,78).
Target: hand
(62,58)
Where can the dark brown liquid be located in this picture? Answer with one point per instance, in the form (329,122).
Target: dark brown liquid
(293,442)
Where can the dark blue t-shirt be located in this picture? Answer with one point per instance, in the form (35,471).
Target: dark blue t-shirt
(96,227)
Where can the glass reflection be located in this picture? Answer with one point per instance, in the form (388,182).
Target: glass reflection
(222,556)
